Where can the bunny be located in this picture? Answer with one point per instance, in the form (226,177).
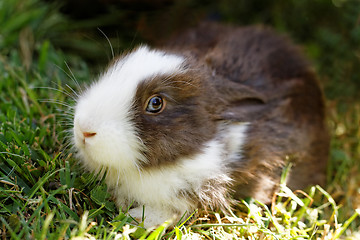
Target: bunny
(209,117)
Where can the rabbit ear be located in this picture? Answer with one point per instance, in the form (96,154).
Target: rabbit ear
(233,92)
(243,103)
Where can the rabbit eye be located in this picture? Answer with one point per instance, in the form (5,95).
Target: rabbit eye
(155,104)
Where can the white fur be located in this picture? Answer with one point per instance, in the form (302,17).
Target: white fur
(105,108)
(158,189)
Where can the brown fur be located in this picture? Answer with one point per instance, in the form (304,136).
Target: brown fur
(275,90)
(173,134)
(238,75)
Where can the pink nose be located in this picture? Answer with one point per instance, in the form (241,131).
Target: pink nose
(89,134)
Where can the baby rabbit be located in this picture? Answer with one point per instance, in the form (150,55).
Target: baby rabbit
(212,115)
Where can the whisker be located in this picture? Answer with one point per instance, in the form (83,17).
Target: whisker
(73,91)
(66,123)
(69,76)
(73,95)
(67,119)
(69,126)
(65,114)
(55,89)
(67,147)
(65,111)
(67,137)
(56,102)
(68,140)
(73,76)
(108,40)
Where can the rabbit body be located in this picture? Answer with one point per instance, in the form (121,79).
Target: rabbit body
(212,115)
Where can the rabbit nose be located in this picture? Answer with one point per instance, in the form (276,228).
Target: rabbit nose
(89,134)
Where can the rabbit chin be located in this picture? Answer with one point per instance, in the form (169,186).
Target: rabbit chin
(170,191)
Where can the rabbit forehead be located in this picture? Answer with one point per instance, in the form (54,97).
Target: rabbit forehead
(142,64)
(115,90)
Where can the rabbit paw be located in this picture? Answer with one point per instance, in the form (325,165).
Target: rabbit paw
(152,216)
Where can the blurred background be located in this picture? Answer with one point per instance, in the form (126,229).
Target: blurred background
(328,30)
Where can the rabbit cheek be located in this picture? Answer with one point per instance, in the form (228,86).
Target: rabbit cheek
(177,132)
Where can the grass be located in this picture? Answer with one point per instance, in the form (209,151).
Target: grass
(44,194)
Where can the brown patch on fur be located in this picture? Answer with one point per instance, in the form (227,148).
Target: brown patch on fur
(286,111)
(185,124)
